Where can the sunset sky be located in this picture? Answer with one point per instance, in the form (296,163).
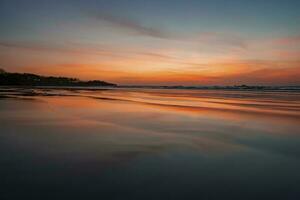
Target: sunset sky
(158,42)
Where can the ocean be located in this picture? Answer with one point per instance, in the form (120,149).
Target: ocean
(141,143)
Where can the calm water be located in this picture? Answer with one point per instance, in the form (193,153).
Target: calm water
(149,144)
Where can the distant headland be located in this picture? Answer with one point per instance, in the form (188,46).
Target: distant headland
(27,79)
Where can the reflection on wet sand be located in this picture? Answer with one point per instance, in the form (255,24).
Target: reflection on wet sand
(94,131)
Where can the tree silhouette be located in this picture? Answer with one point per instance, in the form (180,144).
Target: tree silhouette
(37,80)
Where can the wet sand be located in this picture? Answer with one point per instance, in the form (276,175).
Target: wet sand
(149,144)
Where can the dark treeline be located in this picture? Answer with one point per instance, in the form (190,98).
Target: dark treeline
(26,79)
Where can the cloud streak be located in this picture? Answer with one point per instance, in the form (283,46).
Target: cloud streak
(130,25)
(288,40)
(222,39)
(63,48)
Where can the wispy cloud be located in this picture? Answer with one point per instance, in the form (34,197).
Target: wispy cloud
(222,39)
(288,76)
(266,76)
(131,25)
(288,40)
(69,47)
(96,50)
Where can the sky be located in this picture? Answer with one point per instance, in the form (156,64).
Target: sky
(139,42)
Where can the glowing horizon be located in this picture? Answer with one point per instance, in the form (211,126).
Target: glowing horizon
(154,43)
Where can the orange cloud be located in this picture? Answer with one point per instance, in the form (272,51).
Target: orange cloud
(174,65)
(288,40)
